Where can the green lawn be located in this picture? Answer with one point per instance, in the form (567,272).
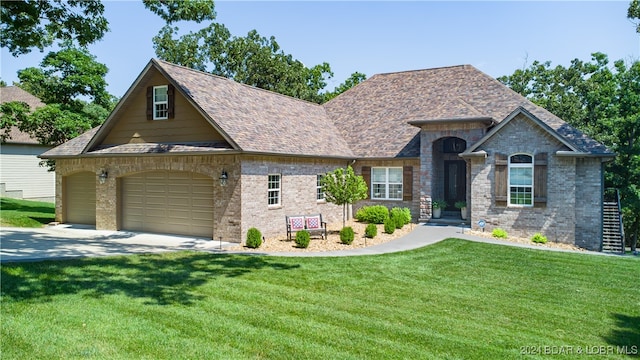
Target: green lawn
(452,300)
(24,213)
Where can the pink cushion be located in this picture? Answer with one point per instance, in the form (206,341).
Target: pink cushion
(313,222)
(296,222)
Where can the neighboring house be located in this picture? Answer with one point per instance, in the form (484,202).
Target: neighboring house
(157,164)
(21,175)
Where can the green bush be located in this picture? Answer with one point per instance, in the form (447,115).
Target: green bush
(374,214)
(254,238)
(371,231)
(403,214)
(499,233)
(398,219)
(303,239)
(389,226)
(539,238)
(347,235)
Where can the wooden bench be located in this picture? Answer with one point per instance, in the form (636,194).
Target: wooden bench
(312,223)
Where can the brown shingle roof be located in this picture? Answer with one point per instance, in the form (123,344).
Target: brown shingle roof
(373,116)
(258,120)
(14,93)
(370,120)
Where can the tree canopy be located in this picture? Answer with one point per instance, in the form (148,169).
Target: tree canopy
(30,24)
(604,102)
(343,187)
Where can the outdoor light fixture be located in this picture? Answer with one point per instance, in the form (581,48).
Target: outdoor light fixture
(102,178)
(223,178)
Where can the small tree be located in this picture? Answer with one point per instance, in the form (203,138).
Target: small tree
(342,187)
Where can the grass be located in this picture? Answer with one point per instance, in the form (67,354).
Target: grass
(25,213)
(452,300)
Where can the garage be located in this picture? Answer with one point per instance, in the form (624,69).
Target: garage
(80,193)
(170,202)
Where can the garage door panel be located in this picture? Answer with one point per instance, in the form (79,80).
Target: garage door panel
(80,193)
(168,202)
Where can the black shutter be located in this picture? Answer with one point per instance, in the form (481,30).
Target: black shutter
(171,101)
(540,179)
(407,183)
(150,103)
(366,175)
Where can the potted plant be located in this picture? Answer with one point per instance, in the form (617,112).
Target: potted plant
(438,205)
(462,205)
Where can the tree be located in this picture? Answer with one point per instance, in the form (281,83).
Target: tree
(342,187)
(64,80)
(180,10)
(37,24)
(353,80)
(603,102)
(634,13)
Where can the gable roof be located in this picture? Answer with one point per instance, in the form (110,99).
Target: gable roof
(367,113)
(14,93)
(372,120)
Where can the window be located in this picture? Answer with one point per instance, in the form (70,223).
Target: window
(319,192)
(273,194)
(386,183)
(520,180)
(160,103)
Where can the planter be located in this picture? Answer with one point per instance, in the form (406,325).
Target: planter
(437,213)
(463,213)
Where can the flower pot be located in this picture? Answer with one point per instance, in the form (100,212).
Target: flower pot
(463,213)
(437,213)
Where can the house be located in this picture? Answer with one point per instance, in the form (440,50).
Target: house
(21,175)
(187,152)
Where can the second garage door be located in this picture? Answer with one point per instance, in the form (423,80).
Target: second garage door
(171,202)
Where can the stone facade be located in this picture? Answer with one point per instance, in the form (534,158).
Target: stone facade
(565,215)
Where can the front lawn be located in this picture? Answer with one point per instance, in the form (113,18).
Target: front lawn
(25,213)
(453,300)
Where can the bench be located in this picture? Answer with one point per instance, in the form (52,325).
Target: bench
(312,223)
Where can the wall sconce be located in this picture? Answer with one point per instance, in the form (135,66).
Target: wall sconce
(223,178)
(102,178)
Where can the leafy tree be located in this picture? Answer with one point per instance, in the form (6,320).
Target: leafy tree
(37,24)
(603,102)
(64,80)
(353,80)
(342,187)
(180,10)
(634,13)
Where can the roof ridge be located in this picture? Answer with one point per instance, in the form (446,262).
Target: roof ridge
(235,82)
(426,69)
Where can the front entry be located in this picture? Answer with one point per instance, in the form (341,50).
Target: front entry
(455,182)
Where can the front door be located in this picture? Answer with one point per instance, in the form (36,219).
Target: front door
(455,182)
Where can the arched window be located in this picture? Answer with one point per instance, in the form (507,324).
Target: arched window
(520,180)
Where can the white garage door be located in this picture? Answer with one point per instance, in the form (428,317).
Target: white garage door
(171,202)
(80,192)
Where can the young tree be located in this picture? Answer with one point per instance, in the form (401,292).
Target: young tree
(342,187)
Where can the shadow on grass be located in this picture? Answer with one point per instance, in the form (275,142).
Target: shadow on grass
(627,333)
(160,279)
(26,206)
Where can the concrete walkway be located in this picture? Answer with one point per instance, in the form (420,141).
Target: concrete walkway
(65,241)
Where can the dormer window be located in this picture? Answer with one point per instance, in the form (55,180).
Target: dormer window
(160,102)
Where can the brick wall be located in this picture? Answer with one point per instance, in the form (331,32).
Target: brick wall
(588,208)
(564,211)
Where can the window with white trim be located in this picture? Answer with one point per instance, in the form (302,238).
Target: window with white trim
(520,180)
(160,102)
(386,183)
(319,192)
(273,193)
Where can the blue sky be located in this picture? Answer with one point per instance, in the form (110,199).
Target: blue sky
(379,37)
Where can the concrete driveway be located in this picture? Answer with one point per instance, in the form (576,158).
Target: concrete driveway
(72,241)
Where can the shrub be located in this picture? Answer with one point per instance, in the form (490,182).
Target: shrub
(398,220)
(347,235)
(499,233)
(303,239)
(371,231)
(254,238)
(389,226)
(539,238)
(374,214)
(404,214)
